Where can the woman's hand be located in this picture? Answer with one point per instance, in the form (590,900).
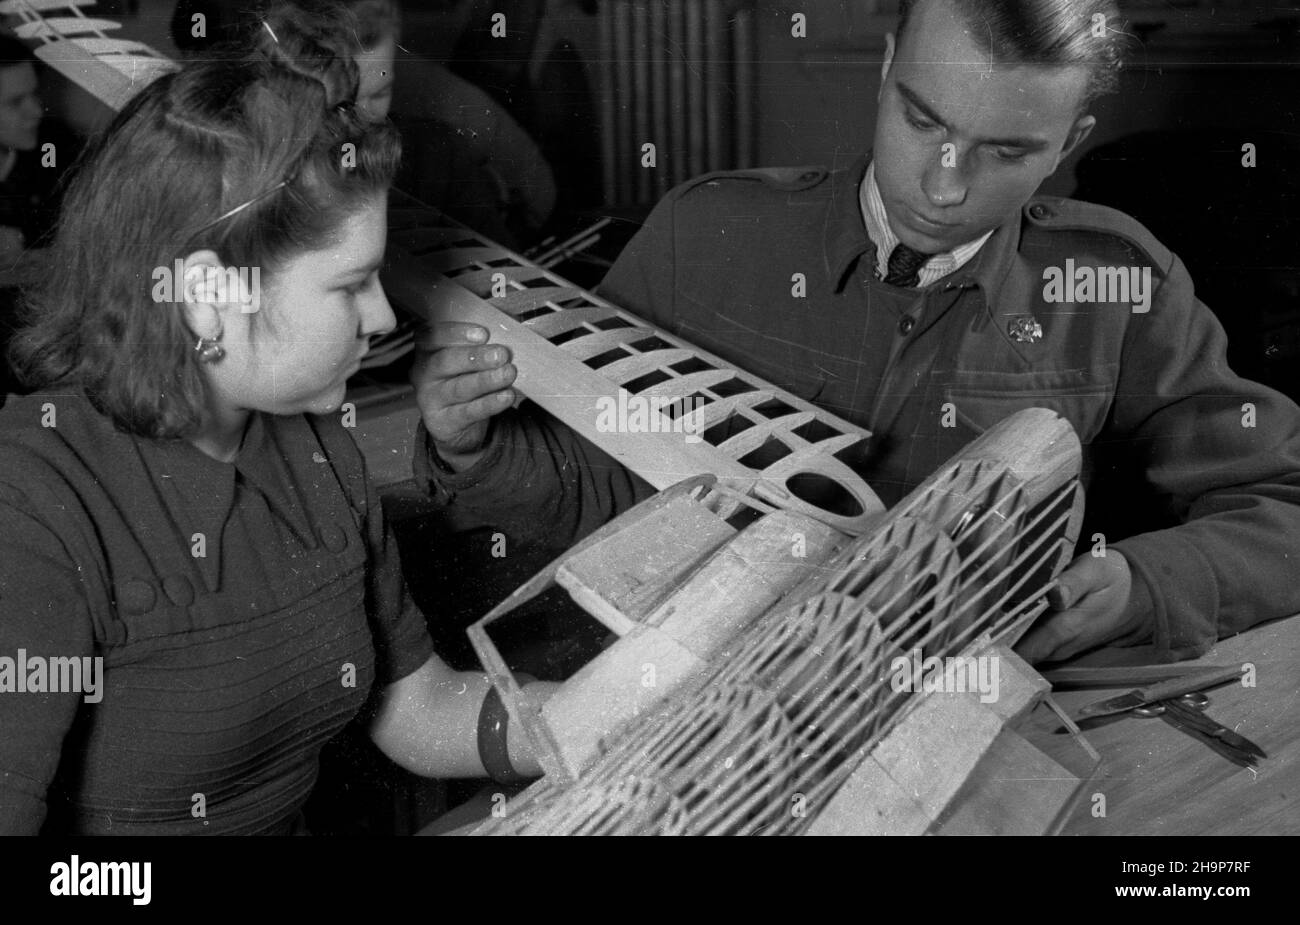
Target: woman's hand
(460,381)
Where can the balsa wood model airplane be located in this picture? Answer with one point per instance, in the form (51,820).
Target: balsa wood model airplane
(788,656)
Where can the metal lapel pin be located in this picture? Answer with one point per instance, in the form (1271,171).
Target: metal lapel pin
(1025,329)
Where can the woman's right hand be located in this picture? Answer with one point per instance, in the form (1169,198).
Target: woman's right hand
(460,382)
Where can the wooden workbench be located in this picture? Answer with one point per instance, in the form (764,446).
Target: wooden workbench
(1159,781)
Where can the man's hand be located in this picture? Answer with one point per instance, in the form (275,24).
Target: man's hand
(1089,604)
(460,382)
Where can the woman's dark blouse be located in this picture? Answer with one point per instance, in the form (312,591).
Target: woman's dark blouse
(243,612)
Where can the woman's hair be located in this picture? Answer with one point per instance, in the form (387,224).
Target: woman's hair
(272,130)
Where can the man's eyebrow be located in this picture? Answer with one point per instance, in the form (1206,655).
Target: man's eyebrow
(917,103)
(1028,144)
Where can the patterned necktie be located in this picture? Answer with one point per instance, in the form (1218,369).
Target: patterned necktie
(905,266)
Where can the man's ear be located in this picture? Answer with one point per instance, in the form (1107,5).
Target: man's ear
(1081,129)
(884,65)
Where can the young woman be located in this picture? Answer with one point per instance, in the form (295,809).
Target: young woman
(180,499)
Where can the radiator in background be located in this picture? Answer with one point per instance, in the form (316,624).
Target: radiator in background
(678,74)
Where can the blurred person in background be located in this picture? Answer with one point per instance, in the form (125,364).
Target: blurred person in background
(462,152)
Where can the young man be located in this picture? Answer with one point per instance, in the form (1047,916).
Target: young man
(941,296)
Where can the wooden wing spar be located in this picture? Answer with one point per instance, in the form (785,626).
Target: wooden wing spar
(81,48)
(583,359)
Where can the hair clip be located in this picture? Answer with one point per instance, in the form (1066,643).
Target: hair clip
(242,206)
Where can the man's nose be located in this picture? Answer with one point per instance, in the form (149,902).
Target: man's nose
(944,182)
(377,316)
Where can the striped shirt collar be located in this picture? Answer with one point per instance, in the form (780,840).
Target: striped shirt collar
(878,230)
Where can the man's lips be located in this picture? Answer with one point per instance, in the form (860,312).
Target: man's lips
(919,219)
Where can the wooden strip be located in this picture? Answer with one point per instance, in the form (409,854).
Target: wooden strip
(108,85)
(525,300)
(742,580)
(642,362)
(479,282)
(101,46)
(462,257)
(1109,677)
(19,7)
(870,802)
(623,579)
(752,438)
(598,342)
(53,27)
(1014,790)
(686,385)
(487,280)
(610,691)
(139,70)
(632,371)
(558,322)
(545,746)
(955,731)
(498,673)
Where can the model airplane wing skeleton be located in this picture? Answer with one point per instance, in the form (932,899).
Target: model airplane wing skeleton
(785,648)
(81,48)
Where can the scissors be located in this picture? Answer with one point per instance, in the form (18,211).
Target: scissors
(1186,714)
(1177,697)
